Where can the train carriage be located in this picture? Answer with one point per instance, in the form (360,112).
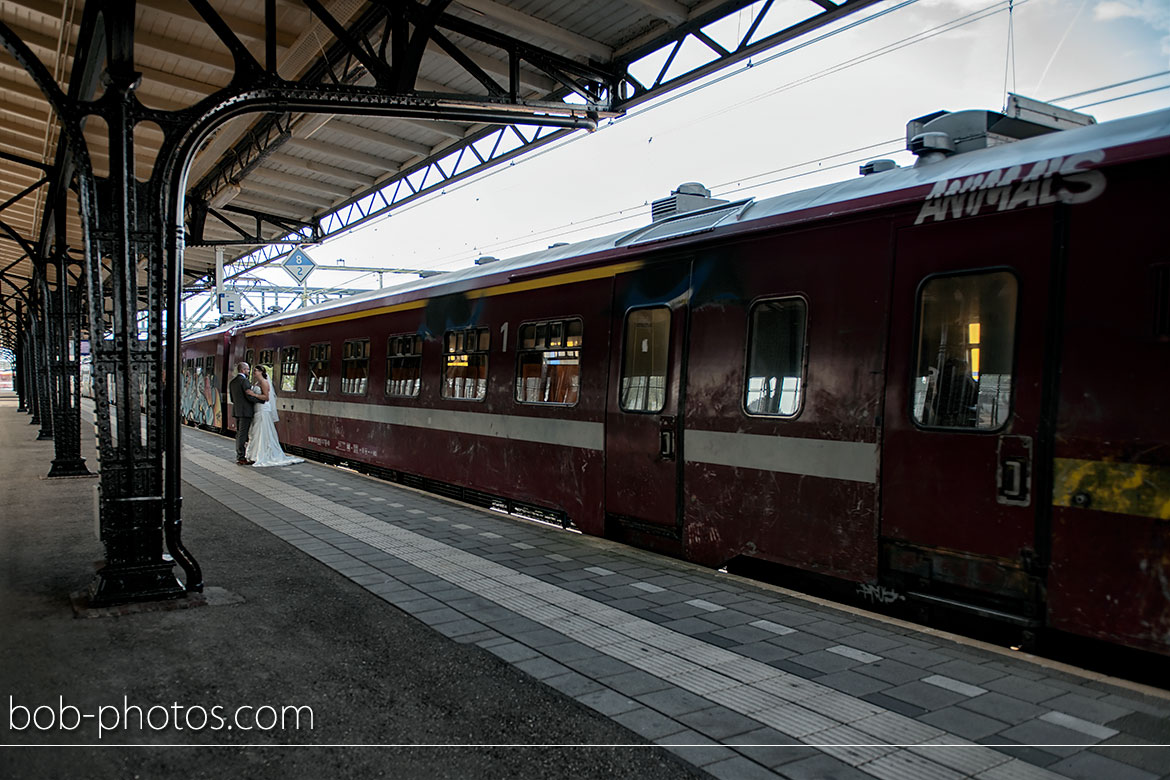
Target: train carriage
(201,401)
(945,384)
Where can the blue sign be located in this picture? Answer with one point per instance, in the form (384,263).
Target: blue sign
(299,264)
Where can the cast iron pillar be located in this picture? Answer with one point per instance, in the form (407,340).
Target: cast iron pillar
(21,376)
(66,368)
(67,378)
(41,323)
(125,230)
(36,379)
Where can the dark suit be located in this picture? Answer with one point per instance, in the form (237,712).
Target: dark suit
(242,411)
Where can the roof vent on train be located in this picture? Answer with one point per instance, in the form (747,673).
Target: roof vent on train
(486,259)
(935,136)
(877,166)
(690,196)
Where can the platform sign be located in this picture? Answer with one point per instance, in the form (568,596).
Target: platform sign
(230,303)
(299,265)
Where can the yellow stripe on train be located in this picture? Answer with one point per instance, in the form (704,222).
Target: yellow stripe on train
(501,289)
(1126,488)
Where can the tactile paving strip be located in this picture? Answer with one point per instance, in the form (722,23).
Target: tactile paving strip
(803,710)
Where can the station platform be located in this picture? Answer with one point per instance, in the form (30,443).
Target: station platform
(406,620)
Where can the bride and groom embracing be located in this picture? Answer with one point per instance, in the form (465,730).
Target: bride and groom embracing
(254,407)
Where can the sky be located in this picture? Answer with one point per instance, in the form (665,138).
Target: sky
(801,116)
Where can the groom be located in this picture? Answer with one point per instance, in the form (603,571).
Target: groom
(242,410)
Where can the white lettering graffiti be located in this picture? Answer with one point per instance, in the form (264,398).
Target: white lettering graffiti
(356,449)
(879,594)
(1059,180)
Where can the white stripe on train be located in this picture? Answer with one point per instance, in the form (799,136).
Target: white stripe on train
(845,460)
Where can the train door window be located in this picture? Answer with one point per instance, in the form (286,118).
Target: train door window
(644,363)
(289,363)
(776,349)
(965,351)
(549,362)
(266,360)
(404,366)
(249,357)
(319,367)
(465,363)
(355,366)
(209,365)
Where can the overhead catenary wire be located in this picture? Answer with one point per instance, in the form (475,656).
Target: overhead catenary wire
(619,215)
(575,227)
(1122,97)
(624,214)
(1111,86)
(573,138)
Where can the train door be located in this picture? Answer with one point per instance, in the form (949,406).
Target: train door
(643,430)
(963,411)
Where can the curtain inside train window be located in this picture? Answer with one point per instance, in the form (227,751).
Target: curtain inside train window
(776,347)
(644,361)
(290,360)
(319,355)
(355,366)
(549,373)
(404,366)
(465,364)
(965,351)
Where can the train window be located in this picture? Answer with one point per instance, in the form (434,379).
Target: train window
(776,346)
(966,350)
(647,348)
(404,366)
(549,374)
(290,361)
(209,365)
(249,357)
(355,366)
(465,363)
(266,360)
(319,367)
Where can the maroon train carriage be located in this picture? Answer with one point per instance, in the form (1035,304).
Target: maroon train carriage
(204,378)
(944,383)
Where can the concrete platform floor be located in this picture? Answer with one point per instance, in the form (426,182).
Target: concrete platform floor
(303,636)
(402,618)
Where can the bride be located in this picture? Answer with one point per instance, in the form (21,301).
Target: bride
(263,444)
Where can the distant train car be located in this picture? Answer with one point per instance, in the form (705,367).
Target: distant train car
(201,401)
(944,383)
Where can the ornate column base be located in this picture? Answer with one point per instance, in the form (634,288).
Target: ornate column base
(125,584)
(70,467)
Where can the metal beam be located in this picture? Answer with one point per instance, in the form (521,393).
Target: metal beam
(301,182)
(324,169)
(366,134)
(250,187)
(245,28)
(24,161)
(578,45)
(667,10)
(312,146)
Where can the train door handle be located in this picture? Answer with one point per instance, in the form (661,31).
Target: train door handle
(1013,478)
(666,438)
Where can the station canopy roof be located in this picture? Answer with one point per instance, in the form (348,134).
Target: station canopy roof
(263,177)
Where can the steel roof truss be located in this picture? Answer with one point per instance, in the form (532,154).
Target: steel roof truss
(310,231)
(30,189)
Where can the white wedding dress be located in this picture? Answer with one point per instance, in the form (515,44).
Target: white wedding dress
(263,444)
